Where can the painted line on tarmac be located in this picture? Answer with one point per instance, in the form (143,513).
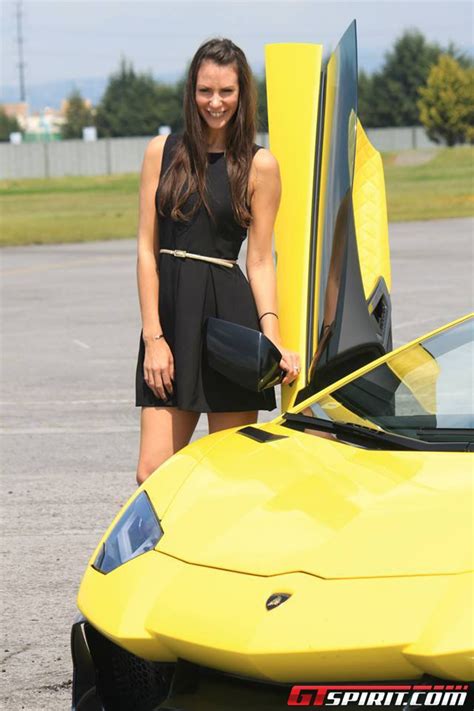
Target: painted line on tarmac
(80,343)
(74,430)
(41,403)
(66,430)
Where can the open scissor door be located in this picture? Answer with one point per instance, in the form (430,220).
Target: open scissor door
(333,263)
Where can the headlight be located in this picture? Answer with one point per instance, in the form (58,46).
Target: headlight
(136,532)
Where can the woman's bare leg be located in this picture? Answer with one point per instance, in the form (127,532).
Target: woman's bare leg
(223,420)
(163,431)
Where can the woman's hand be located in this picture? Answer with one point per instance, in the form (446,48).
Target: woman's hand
(290,362)
(158,368)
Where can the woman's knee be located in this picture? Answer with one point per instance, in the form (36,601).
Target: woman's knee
(218,421)
(164,431)
(142,475)
(147,466)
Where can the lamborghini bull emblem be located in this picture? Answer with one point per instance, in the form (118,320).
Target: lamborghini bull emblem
(276,599)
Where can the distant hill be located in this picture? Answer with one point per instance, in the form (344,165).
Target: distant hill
(53,92)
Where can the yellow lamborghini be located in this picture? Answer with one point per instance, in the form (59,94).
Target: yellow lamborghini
(335,542)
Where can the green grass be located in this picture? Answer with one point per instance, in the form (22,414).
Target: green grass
(72,209)
(80,209)
(441,188)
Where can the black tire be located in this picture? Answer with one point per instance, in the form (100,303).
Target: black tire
(126,682)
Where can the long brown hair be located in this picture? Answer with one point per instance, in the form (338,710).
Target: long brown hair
(186,173)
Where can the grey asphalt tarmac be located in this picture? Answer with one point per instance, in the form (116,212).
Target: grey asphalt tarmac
(69,442)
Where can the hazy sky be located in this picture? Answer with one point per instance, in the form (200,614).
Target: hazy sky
(69,39)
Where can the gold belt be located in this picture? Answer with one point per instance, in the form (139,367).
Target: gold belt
(188,255)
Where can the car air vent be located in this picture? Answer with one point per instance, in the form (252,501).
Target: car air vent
(260,435)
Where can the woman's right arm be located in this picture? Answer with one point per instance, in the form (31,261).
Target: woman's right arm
(158,365)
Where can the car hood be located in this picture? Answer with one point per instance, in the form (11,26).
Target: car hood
(305,503)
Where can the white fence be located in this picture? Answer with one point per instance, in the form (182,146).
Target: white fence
(108,156)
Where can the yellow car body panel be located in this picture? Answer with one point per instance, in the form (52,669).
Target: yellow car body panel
(293,98)
(324,507)
(162,608)
(370,214)
(374,547)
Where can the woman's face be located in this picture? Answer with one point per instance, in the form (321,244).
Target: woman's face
(217,93)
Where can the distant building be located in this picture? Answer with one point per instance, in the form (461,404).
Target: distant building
(65,104)
(18,111)
(42,125)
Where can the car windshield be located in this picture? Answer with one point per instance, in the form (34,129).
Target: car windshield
(424,392)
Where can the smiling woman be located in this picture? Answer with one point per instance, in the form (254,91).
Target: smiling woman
(217,95)
(201,194)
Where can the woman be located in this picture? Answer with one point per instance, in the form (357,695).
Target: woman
(214,183)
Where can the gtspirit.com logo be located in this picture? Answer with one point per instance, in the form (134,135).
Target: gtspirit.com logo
(422,695)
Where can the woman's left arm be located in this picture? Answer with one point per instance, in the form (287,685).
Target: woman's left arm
(265,190)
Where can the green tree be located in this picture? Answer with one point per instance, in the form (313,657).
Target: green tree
(394,90)
(262,113)
(462,57)
(8,124)
(179,89)
(169,106)
(365,99)
(136,105)
(78,115)
(447,102)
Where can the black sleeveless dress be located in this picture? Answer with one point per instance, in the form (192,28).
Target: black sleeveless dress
(190,291)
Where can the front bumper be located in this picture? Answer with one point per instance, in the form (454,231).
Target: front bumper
(162,609)
(185,687)
(107,678)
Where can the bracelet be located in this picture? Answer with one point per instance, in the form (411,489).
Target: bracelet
(153,338)
(272,313)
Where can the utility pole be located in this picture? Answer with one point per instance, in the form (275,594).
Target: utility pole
(19,36)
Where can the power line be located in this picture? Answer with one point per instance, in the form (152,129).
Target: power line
(19,38)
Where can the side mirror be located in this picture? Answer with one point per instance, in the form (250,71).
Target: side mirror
(242,355)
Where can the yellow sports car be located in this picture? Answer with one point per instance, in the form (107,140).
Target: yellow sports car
(335,542)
